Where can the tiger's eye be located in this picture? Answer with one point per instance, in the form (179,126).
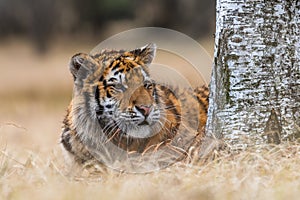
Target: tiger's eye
(119,86)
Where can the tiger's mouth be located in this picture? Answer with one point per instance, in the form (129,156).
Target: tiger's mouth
(132,127)
(116,130)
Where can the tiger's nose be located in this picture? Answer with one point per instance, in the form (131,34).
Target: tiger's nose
(145,110)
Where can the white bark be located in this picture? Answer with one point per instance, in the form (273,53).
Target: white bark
(256,70)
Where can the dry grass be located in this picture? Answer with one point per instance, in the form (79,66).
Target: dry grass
(271,174)
(31,164)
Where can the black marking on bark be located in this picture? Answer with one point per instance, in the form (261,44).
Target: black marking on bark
(273,129)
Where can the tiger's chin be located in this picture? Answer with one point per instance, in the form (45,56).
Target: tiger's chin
(143,131)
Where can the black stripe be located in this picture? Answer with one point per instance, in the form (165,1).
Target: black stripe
(100,108)
(108,94)
(65,140)
(115,67)
(101,78)
(201,97)
(155,94)
(104,84)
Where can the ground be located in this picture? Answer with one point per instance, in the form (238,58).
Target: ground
(35,91)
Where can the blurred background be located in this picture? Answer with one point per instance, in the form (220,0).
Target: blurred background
(38,37)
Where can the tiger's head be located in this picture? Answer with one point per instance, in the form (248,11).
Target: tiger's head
(115,88)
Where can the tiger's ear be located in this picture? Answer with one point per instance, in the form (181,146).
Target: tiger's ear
(146,53)
(79,61)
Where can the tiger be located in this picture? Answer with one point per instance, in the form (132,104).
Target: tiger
(116,98)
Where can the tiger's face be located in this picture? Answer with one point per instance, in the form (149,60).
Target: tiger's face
(131,101)
(137,111)
(125,98)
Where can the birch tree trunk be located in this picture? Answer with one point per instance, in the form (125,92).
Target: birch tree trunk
(255,85)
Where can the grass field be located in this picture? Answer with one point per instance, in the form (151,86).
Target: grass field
(34,93)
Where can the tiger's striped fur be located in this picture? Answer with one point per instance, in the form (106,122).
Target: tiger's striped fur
(115,98)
